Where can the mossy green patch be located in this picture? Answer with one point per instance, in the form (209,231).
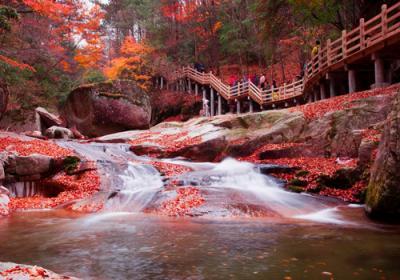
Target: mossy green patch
(295,189)
(297,182)
(71,164)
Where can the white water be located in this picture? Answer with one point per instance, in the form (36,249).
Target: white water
(244,178)
(134,186)
(138,187)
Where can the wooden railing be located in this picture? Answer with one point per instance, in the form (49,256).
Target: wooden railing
(367,35)
(242,89)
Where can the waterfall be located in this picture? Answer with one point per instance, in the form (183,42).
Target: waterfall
(230,187)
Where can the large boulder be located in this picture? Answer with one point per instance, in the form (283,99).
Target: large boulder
(383,195)
(170,104)
(109,107)
(32,165)
(339,133)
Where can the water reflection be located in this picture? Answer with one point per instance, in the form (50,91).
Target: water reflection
(129,246)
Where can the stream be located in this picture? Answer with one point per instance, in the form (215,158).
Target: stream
(248,227)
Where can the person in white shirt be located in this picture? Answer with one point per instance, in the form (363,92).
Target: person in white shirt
(262,81)
(206,111)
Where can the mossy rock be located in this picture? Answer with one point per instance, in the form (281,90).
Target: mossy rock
(343,179)
(361,196)
(71,164)
(295,189)
(302,173)
(298,183)
(317,189)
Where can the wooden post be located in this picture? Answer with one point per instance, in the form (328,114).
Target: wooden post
(294,89)
(351,76)
(362,33)
(237,106)
(212,102)
(196,89)
(328,52)
(322,90)
(384,19)
(344,47)
(284,90)
(189,86)
(162,83)
(219,104)
(332,89)
(316,94)
(204,92)
(319,60)
(250,105)
(379,68)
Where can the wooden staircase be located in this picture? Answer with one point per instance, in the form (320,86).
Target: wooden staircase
(369,38)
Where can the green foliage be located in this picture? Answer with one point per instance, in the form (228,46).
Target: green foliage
(93,76)
(7,14)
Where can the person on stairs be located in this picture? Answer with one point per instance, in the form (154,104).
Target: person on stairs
(262,81)
(316,48)
(206,108)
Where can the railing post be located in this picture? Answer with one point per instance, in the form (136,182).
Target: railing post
(212,101)
(319,60)
(284,90)
(384,19)
(294,88)
(328,52)
(272,93)
(219,104)
(362,33)
(344,47)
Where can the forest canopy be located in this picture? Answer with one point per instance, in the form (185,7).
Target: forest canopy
(49,47)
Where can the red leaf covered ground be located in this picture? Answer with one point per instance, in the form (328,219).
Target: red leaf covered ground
(316,166)
(170,169)
(169,142)
(318,109)
(74,187)
(187,199)
(31,273)
(25,148)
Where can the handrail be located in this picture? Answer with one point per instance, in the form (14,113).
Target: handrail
(369,33)
(366,34)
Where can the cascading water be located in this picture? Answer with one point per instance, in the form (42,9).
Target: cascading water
(127,185)
(130,184)
(255,188)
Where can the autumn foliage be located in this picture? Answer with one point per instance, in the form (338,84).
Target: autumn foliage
(133,64)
